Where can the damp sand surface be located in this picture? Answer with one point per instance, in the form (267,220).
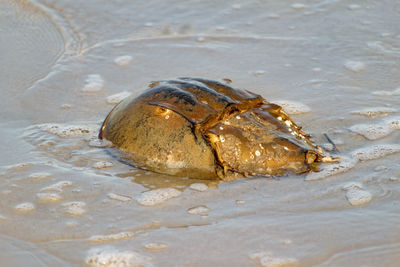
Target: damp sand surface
(66,199)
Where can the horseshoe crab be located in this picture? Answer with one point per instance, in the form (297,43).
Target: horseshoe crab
(206,129)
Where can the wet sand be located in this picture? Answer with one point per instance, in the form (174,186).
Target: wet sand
(66,200)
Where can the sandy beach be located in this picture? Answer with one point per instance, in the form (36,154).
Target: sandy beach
(65,200)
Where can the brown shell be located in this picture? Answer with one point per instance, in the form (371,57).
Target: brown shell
(205,129)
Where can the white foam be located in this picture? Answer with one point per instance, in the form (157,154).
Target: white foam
(374,112)
(111,257)
(199,187)
(75,208)
(199,210)
(356,196)
(372,131)
(354,66)
(316,69)
(158,196)
(156,246)
(298,6)
(112,237)
(236,6)
(201,39)
(71,224)
(395,92)
(123,60)
(292,107)
(66,130)
(353,7)
(48,197)
(39,176)
(375,151)
(102,164)
(347,163)
(57,187)
(25,207)
(116,98)
(94,83)
(118,197)
(268,260)
(344,165)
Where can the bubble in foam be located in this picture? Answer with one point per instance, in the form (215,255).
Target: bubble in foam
(236,6)
(111,257)
(199,210)
(156,246)
(102,164)
(39,176)
(116,98)
(118,197)
(393,123)
(48,197)
(100,143)
(344,165)
(123,60)
(356,196)
(292,107)
(316,69)
(375,151)
(374,112)
(112,237)
(75,208)
(273,16)
(259,73)
(328,146)
(199,187)
(25,207)
(354,66)
(372,131)
(57,187)
(268,260)
(298,6)
(66,130)
(353,7)
(158,196)
(94,83)
(66,106)
(352,185)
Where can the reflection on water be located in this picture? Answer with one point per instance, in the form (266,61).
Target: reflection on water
(66,201)
(155,181)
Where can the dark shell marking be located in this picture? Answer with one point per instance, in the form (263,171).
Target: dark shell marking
(205,129)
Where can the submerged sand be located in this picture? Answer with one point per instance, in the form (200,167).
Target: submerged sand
(66,200)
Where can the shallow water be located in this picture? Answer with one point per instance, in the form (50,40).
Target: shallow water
(66,200)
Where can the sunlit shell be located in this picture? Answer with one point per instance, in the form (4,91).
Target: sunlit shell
(205,129)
